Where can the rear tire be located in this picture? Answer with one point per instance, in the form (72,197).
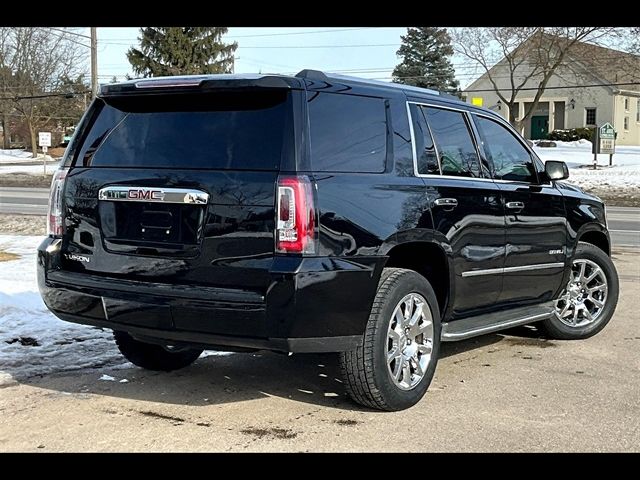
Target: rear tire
(393,367)
(152,356)
(583,296)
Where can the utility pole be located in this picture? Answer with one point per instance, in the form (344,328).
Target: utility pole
(94,63)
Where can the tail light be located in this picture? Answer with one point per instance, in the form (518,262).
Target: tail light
(295,229)
(54,224)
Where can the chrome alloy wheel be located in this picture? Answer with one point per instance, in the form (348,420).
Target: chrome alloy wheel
(409,341)
(584,298)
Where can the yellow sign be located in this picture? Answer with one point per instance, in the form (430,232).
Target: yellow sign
(477,101)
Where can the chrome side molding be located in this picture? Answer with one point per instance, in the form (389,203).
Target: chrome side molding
(523,268)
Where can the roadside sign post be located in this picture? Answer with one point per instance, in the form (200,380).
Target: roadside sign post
(595,146)
(603,141)
(607,143)
(44,140)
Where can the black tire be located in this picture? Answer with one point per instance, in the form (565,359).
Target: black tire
(556,329)
(152,356)
(365,372)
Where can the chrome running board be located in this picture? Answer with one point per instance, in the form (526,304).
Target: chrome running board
(492,322)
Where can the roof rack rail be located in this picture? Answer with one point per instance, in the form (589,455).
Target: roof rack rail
(312,75)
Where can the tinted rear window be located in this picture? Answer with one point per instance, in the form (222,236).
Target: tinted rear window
(236,131)
(348,133)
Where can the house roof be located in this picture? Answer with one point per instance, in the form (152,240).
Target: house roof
(612,66)
(606,64)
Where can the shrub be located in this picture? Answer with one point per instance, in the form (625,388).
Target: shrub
(571,135)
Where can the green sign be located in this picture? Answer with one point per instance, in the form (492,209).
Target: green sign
(607,132)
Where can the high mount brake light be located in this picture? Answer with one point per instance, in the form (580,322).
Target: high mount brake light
(55,217)
(295,228)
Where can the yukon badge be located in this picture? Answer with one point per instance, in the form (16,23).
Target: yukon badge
(559,251)
(77,258)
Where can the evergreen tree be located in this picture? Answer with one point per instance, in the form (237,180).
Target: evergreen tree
(181,51)
(425,53)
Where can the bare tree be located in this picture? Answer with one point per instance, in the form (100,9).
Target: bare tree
(38,62)
(527,57)
(6,77)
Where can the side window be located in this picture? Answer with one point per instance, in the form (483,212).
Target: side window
(348,133)
(425,150)
(511,161)
(456,150)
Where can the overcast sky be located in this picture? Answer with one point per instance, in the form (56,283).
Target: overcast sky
(365,51)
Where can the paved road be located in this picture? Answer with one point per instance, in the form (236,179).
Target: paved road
(624,225)
(501,392)
(26,201)
(624,222)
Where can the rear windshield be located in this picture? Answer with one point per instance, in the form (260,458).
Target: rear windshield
(231,130)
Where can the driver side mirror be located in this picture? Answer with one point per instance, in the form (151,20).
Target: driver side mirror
(556,170)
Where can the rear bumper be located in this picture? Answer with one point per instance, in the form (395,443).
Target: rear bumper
(318,304)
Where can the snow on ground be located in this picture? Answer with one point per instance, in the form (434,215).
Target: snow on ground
(28,169)
(24,319)
(23,315)
(625,172)
(15,156)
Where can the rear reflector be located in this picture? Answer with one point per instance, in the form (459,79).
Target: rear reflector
(295,229)
(55,217)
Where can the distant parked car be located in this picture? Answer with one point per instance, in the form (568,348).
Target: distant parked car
(66,138)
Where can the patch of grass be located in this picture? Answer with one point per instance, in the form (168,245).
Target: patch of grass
(7,257)
(25,180)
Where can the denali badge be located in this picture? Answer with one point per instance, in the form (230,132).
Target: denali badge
(146,194)
(560,251)
(77,258)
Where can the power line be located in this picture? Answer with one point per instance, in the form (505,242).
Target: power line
(592,85)
(321,46)
(44,95)
(44,116)
(264,34)
(68,39)
(70,33)
(299,33)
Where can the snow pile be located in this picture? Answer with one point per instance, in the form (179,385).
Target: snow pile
(32,340)
(29,169)
(625,172)
(15,156)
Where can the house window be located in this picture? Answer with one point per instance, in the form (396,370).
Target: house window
(626,104)
(638,111)
(590,116)
(626,123)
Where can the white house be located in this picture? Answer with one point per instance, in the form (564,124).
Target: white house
(579,94)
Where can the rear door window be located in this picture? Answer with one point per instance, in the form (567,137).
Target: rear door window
(456,150)
(231,130)
(348,133)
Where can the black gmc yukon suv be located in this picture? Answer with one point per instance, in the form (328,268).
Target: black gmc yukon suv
(316,213)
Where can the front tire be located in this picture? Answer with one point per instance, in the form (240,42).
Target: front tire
(589,299)
(152,356)
(393,367)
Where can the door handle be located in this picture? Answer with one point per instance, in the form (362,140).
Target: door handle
(515,205)
(446,202)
